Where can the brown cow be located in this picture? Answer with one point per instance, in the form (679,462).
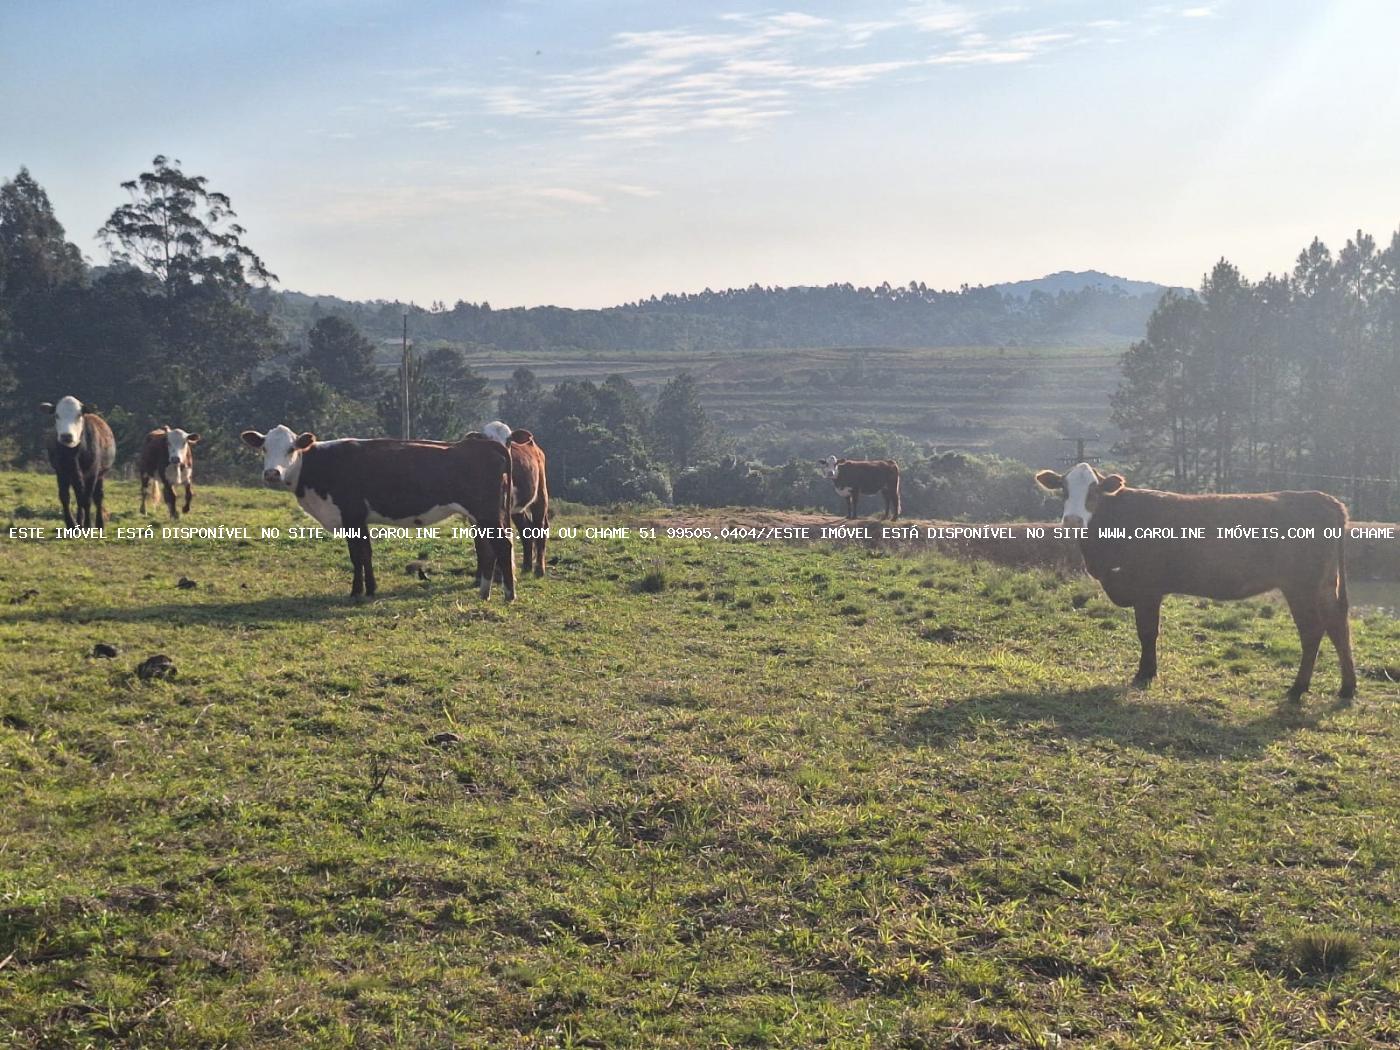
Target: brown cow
(81,450)
(1290,541)
(350,483)
(531,491)
(855,476)
(168,452)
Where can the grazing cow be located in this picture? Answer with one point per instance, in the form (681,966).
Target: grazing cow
(350,483)
(531,492)
(167,458)
(82,450)
(855,476)
(1147,556)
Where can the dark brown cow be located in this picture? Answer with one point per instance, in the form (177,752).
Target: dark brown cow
(81,449)
(855,476)
(351,483)
(1272,551)
(167,459)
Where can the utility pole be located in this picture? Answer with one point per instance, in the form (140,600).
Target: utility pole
(404,370)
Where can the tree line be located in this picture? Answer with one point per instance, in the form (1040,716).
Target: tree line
(836,315)
(1285,382)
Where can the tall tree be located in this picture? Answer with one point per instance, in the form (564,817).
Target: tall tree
(35,254)
(344,358)
(521,400)
(681,430)
(177,229)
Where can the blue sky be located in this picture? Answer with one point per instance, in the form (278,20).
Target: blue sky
(591,153)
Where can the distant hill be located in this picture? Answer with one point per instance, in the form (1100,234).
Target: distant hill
(1077,281)
(1085,310)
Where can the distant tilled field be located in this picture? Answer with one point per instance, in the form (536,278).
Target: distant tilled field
(1005,400)
(683,793)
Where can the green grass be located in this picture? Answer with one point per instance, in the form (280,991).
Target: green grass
(732,810)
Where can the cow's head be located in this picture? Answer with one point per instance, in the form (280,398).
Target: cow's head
(1081,486)
(282,451)
(180,445)
(829,466)
(497,431)
(67,420)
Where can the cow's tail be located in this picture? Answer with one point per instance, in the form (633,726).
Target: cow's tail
(1342,565)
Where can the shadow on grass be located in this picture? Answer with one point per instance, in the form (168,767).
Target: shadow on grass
(1126,716)
(250,610)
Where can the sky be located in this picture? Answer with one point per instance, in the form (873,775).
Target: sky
(587,154)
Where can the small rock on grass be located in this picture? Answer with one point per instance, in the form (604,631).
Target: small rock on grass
(104,651)
(158,666)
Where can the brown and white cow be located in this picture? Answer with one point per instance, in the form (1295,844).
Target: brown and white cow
(852,477)
(531,491)
(167,460)
(81,449)
(351,483)
(1267,548)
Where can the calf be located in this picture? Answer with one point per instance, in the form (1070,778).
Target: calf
(168,453)
(530,491)
(81,449)
(350,483)
(1145,556)
(855,476)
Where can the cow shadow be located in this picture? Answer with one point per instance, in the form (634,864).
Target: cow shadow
(1170,725)
(282,608)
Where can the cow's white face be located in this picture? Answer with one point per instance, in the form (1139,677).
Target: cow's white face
(181,444)
(67,420)
(829,467)
(497,431)
(282,452)
(1081,487)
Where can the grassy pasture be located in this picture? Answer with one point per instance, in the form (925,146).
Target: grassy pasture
(695,794)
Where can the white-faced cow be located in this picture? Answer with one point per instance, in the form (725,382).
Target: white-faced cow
(531,491)
(852,477)
(167,460)
(352,483)
(82,449)
(1139,549)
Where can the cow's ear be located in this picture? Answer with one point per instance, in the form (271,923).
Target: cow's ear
(1050,481)
(89,408)
(1111,484)
(252,438)
(192,439)
(304,441)
(46,407)
(521,437)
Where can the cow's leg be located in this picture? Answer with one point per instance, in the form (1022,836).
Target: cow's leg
(1148,615)
(84,503)
(357,586)
(485,566)
(168,494)
(367,560)
(1307,616)
(853,502)
(522,524)
(189,496)
(64,490)
(1336,621)
(504,549)
(541,529)
(145,491)
(98,491)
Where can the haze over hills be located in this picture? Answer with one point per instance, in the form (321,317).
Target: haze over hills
(1076,281)
(1090,308)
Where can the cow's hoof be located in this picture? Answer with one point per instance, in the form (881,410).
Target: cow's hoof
(1295,694)
(539,574)
(1142,681)
(1347,692)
